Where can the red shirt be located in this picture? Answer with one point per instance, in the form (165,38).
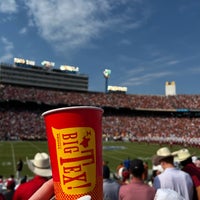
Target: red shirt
(26,190)
(136,190)
(194,172)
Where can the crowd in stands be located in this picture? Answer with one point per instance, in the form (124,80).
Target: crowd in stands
(23,123)
(153,129)
(55,97)
(29,125)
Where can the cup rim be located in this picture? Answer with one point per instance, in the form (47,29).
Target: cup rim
(71,108)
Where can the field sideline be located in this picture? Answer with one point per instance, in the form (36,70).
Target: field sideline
(113,152)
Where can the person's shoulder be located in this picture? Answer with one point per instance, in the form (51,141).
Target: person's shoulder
(19,191)
(124,188)
(110,181)
(159,176)
(21,186)
(150,188)
(186,176)
(147,187)
(124,185)
(183,173)
(26,185)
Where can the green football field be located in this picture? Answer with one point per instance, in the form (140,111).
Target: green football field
(113,153)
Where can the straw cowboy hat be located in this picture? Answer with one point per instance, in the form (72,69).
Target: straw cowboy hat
(40,165)
(183,154)
(162,153)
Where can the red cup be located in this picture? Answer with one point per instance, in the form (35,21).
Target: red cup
(74,137)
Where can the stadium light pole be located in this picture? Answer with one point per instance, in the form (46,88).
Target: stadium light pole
(106,74)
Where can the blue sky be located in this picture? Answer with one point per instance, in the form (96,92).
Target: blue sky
(143,42)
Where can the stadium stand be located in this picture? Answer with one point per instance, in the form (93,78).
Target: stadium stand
(126,117)
(149,118)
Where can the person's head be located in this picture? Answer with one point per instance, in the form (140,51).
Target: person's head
(106,172)
(163,157)
(137,168)
(184,157)
(125,175)
(24,179)
(40,165)
(156,170)
(105,162)
(167,162)
(10,184)
(197,162)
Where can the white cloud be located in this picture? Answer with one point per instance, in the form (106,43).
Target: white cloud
(23,31)
(173,62)
(143,79)
(73,24)
(6,49)
(8,6)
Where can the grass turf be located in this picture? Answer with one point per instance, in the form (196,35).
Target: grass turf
(113,153)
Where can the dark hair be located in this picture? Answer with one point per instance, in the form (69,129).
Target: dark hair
(168,159)
(187,161)
(106,172)
(137,168)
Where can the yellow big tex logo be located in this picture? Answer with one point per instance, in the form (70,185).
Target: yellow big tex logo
(76,153)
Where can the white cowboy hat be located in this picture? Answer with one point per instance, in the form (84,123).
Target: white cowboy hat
(161,153)
(40,165)
(183,154)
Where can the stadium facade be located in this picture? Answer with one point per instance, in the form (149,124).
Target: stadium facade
(37,76)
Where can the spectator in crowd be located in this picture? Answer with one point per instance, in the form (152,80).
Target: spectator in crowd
(105,162)
(10,188)
(120,173)
(121,165)
(125,177)
(185,159)
(19,168)
(40,166)
(145,174)
(110,186)
(156,170)
(136,189)
(127,163)
(197,162)
(172,178)
(24,179)
(1,182)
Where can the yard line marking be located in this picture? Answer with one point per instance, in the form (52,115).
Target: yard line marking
(13,157)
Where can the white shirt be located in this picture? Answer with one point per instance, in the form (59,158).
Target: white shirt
(176,180)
